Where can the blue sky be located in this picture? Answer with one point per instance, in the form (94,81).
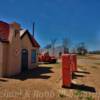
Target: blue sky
(78,20)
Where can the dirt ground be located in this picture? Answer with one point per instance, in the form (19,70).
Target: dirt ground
(45,83)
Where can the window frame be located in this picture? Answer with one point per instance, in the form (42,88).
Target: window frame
(33,58)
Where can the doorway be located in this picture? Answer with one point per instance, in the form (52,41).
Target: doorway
(24,60)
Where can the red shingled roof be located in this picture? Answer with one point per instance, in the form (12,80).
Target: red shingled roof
(4,34)
(4,31)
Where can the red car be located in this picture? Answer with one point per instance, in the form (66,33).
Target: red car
(47,58)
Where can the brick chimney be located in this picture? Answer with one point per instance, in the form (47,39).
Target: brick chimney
(15,25)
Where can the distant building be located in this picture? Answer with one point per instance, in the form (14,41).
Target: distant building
(18,49)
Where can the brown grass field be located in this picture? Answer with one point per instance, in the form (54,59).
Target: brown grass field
(45,82)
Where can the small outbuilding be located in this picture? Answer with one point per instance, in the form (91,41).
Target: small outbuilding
(18,49)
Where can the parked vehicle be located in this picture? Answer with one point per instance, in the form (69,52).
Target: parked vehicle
(47,58)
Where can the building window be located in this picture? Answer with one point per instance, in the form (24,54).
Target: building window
(34,56)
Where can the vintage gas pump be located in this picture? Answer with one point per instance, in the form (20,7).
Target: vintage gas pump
(73,58)
(66,70)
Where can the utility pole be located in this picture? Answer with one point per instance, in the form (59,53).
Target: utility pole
(33,28)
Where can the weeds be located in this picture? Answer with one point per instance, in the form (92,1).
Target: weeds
(89,98)
(62,95)
(80,66)
(79,94)
(82,96)
(95,67)
(97,63)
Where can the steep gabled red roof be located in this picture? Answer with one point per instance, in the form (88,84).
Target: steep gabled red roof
(32,39)
(34,42)
(4,31)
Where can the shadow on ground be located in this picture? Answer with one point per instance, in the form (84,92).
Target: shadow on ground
(77,74)
(3,80)
(81,87)
(38,73)
(85,72)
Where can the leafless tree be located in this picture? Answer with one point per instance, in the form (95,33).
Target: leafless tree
(81,48)
(53,42)
(65,44)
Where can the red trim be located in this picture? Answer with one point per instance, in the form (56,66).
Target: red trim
(32,39)
(35,42)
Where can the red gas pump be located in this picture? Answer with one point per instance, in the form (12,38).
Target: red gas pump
(73,58)
(66,70)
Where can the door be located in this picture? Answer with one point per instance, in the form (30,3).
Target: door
(24,60)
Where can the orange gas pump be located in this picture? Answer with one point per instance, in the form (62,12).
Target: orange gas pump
(66,70)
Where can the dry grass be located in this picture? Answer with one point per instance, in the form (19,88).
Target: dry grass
(97,63)
(48,79)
